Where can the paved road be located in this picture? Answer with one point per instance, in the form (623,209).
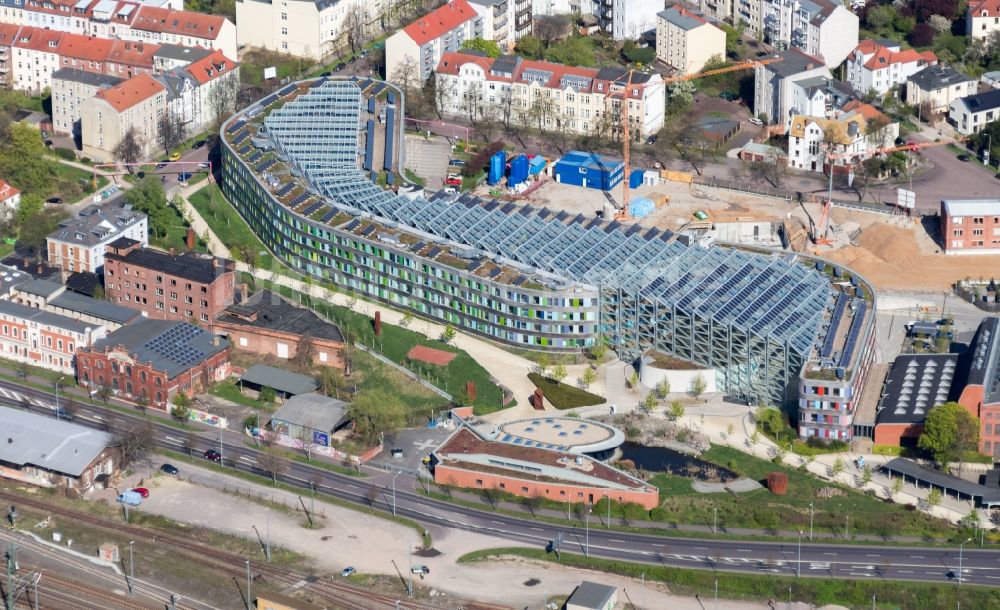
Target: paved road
(817,560)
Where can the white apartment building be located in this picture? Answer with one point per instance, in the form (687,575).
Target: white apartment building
(70,88)
(880,65)
(557,97)
(505,21)
(937,87)
(79,244)
(774,84)
(971,114)
(720,10)
(686,41)
(428,38)
(982,19)
(813,142)
(134,104)
(34,57)
(627,19)
(10,198)
(191,90)
(821,28)
(559,7)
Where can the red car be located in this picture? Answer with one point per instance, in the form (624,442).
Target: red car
(142,491)
(453,182)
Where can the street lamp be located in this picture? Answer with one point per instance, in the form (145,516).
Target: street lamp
(715,520)
(131,567)
(960,549)
(58,381)
(798,566)
(586,521)
(812,513)
(394,492)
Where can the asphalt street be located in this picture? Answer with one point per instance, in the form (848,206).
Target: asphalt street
(928,564)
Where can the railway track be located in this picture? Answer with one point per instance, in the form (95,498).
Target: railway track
(343,594)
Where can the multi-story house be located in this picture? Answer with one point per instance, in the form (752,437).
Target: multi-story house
(970,226)
(134,105)
(189,286)
(167,26)
(821,28)
(78,244)
(774,84)
(43,338)
(504,21)
(170,56)
(627,19)
(552,96)
(8,34)
(427,39)
(972,113)
(879,65)
(54,297)
(719,10)
(982,19)
(197,92)
(815,143)
(686,40)
(934,88)
(10,198)
(70,88)
(35,57)
(154,360)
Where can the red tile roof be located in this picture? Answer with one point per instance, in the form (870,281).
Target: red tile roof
(436,23)
(37,39)
(7,191)
(131,53)
(87,48)
(883,56)
(8,33)
(864,109)
(129,93)
(184,23)
(992,8)
(211,67)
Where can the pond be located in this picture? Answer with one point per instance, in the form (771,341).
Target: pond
(662,459)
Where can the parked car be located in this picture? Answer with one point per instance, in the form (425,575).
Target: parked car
(453,181)
(729,96)
(339,67)
(184,176)
(198,144)
(213,455)
(142,491)
(160,165)
(132,498)
(396,452)
(450,190)
(422,570)
(174,156)
(651,140)
(203,165)
(170,469)
(963,158)
(347,571)
(457,162)
(755,121)
(54,200)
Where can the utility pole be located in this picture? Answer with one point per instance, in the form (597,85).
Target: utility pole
(812,513)
(715,520)
(394,492)
(960,549)
(267,539)
(586,518)
(247,561)
(409,581)
(131,568)
(798,566)
(16,584)
(222,460)
(643,597)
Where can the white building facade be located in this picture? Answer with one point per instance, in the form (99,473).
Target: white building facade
(424,41)
(877,66)
(687,41)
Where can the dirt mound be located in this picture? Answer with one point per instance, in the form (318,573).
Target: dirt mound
(890,243)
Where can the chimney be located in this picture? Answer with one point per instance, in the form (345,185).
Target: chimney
(215,262)
(243,292)
(215,340)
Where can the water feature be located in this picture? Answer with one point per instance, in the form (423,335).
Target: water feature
(662,459)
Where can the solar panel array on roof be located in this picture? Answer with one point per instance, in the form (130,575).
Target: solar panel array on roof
(379,88)
(329,215)
(495,272)
(267,101)
(238,125)
(299,199)
(255,157)
(852,334)
(239,139)
(319,82)
(266,165)
(354,224)
(520,280)
(172,344)
(246,149)
(284,189)
(285,91)
(312,208)
(831,334)
(368,230)
(476,264)
(433,252)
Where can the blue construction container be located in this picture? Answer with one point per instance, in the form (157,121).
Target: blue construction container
(518,170)
(635,179)
(590,170)
(369,144)
(640,207)
(498,163)
(390,130)
(536,165)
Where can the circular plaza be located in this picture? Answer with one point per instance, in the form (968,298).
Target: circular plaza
(572,434)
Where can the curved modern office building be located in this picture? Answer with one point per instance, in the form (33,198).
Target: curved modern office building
(304,168)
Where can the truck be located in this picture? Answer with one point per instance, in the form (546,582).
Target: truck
(132,498)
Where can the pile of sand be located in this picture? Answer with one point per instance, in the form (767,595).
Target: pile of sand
(890,243)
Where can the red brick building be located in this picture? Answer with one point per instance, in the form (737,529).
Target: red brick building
(166,286)
(267,324)
(970,226)
(469,461)
(154,359)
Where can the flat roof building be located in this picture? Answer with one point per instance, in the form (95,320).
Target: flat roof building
(311,418)
(56,298)
(284,383)
(970,226)
(593,596)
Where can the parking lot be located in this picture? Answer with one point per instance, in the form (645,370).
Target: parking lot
(415,443)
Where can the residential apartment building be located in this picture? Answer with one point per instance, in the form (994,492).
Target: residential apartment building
(627,19)
(878,66)
(504,21)
(166,286)
(982,19)
(934,88)
(154,360)
(42,338)
(35,56)
(136,104)
(10,198)
(821,28)
(70,88)
(853,137)
(559,97)
(199,91)
(686,40)
(306,28)
(55,298)
(427,39)
(971,113)
(719,10)
(774,84)
(8,35)
(970,226)
(170,56)
(167,26)
(79,243)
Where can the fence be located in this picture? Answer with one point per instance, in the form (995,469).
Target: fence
(788,196)
(402,369)
(261,497)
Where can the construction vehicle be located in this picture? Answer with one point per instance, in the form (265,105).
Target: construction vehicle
(622,214)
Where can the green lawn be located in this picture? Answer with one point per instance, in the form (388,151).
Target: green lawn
(564,396)
(176,234)
(764,510)
(817,591)
(227,224)
(230,391)
(71,183)
(253,62)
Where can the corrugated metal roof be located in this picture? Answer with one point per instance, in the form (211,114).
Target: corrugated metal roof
(972,207)
(59,446)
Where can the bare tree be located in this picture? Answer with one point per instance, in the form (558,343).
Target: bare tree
(354,28)
(170,131)
(133,441)
(769,170)
(505,101)
(407,76)
(472,104)
(129,149)
(222,101)
(273,461)
(551,28)
(305,351)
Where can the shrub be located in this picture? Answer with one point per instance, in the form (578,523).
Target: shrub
(482,158)
(65,153)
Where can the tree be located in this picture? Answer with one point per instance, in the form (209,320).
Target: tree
(949,431)
(305,350)
(354,28)
(589,377)
(133,441)
(633,381)
(23,370)
(649,402)
(104,392)
(754,439)
(698,385)
(558,373)
(677,410)
(769,170)
(28,209)
(330,381)
(222,101)
(148,197)
(939,24)
(374,412)
(448,335)
(550,28)
(182,407)
(878,17)
(531,47)
(922,35)
(662,388)
(533,502)
(141,402)
(866,475)
(170,131)
(599,349)
(266,396)
(273,461)
(489,48)
(491,495)
(32,235)
(838,466)
(407,76)
(897,486)
(934,497)
(406,320)
(129,149)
